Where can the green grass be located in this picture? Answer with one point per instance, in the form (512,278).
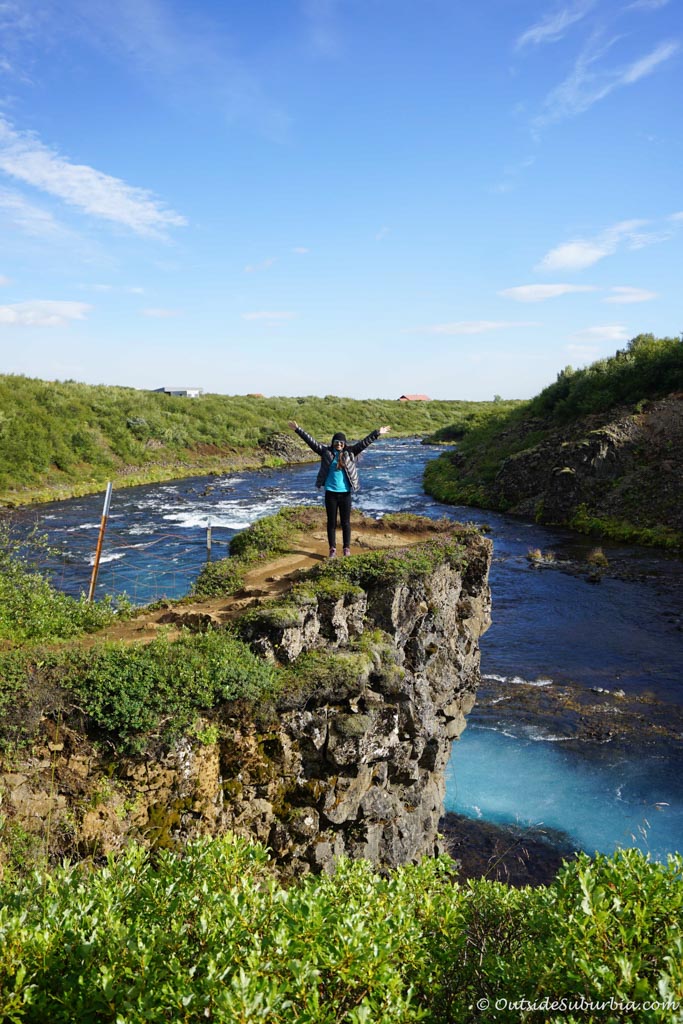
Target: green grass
(67,437)
(648,368)
(210,934)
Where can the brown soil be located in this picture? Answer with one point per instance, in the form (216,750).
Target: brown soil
(264,581)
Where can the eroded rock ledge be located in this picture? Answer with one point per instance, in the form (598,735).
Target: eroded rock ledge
(351,761)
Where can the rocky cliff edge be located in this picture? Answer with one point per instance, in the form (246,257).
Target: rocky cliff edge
(347,759)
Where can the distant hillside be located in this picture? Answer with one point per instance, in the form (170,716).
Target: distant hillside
(65,438)
(600,450)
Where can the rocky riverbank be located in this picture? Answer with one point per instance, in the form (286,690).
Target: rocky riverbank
(619,474)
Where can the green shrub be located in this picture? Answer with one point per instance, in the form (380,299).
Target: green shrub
(130,690)
(32,609)
(210,934)
(647,368)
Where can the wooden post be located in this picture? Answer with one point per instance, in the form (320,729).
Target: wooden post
(208,542)
(98,552)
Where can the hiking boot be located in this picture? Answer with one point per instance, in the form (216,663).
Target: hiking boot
(347,551)
(333,552)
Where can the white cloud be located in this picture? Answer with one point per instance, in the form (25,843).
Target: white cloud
(4,281)
(29,218)
(624,294)
(264,315)
(160,313)
(647,64)
(300,250)
(647,5)
(553,26)
(24,157)
(590,82)
(255,268)
(43,313)
(573,256)
(582,252)
(540,292)
(602,332)
(677,216)
(382,233)
(470,327)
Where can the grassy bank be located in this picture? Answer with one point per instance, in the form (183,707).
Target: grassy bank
(515,459)
(61,439)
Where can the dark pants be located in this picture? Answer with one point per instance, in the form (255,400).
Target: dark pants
(338,500)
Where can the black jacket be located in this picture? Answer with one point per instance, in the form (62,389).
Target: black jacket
(327,453)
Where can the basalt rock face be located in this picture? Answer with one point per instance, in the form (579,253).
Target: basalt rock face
(626,466)
(351,763)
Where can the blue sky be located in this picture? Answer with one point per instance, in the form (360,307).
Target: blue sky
(355,197)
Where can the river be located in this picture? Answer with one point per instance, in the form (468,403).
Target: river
(578,725)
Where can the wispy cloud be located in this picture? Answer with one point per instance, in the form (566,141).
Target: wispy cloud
(469,327)
(541,292)
(591,81)
(602,332)
(511,173)
(187,52)
(255,268)
(29,218)
(24,157)
(300,250)
(624,294)
(382,233)
(646,5)
(554,25)
(323,29)
(584,252)
(160,313)
(4,281)
(269,317)
(42,313)
(18,22)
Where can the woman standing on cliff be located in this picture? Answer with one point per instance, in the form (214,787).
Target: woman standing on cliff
(338,474)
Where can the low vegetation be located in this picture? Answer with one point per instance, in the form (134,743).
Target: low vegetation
(568,412)
(31,608)
(63,437)
(210,934)
(140,694)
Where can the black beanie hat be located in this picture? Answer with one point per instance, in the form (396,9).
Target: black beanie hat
(339,437)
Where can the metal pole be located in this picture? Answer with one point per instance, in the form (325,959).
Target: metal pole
(98,552)
(208,542)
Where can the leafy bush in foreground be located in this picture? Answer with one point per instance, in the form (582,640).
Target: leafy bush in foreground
(211,935)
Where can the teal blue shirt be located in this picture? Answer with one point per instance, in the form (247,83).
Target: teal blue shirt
(337,479)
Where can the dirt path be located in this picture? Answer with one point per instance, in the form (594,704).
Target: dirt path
(266,580)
